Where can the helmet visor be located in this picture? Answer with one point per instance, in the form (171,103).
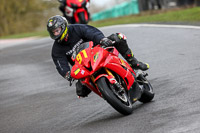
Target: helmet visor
(57,31)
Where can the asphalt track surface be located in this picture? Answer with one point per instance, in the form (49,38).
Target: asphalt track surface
(34,98)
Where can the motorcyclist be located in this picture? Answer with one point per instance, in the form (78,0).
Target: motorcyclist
(68,37)
(63,3)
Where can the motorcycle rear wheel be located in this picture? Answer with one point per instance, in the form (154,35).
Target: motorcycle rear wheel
(117,103)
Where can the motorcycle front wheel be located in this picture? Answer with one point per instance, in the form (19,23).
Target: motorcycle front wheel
(120,102)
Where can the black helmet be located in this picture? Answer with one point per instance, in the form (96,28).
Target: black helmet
(54,23)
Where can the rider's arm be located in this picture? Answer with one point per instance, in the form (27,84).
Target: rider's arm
(90,33)
(60,60)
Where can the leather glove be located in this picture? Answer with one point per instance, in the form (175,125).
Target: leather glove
(68,76)
(106,42)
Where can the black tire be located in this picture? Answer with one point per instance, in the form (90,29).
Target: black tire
(105,89)
(82,19)
(148,93)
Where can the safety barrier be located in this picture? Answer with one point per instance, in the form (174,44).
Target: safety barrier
(126,8)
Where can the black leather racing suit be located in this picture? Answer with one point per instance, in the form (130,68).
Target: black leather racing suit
(77,34)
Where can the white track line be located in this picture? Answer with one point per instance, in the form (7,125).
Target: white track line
(152,25)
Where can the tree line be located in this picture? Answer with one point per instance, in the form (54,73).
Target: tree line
(20,16)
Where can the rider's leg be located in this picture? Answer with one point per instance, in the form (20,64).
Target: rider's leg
(82,90)
(122,46)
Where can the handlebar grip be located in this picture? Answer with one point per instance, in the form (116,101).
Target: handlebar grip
(113,42)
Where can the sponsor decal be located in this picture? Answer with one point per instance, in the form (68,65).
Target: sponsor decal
(50,23)
(96,56)
(77,71)
(123,63)
(82,72)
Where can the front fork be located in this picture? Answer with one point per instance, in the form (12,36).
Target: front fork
(119,90)
(113,80)
(134,93)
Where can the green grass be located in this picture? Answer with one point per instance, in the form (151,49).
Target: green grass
(188,15)
(23,35)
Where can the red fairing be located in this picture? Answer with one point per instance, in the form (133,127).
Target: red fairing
(79,11)
(99,55)
(125,74)
(82,59)
(87,83)
(90,60)
(79,72)
(75,2)
(110,60)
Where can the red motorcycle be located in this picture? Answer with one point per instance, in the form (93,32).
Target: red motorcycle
(102,71)
(76,11)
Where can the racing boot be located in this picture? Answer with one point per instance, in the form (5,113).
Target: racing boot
(82,90)
(134,63)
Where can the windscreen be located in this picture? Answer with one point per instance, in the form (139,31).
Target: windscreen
(80,48)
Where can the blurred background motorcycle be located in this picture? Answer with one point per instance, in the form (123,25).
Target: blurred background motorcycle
(75,11)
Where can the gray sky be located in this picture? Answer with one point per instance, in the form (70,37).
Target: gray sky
(100,2)
(103,4)
(107,3)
